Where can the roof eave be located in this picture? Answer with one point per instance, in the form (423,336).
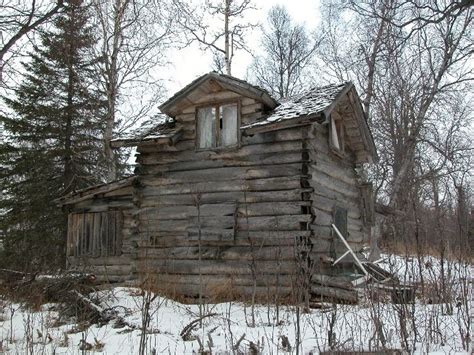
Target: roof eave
(170,140)
(228,82)
(93,191)
(284,124)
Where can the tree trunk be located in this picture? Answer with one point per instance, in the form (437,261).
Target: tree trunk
(227,55)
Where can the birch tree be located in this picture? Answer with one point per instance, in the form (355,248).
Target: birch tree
(133,35)
(287,50)
(411,66)
(224,39)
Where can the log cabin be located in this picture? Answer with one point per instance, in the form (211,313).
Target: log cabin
(235,194)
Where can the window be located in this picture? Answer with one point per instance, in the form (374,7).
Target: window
(336,133)
(340,220)
(94,234)
(217,126)
(368,208)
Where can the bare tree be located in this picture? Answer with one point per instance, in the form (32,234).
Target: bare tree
(18,18)
(132,37)
(288,50)
(223,40)
(410,80)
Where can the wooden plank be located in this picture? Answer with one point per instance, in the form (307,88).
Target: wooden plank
(156,198)
(331,184)
(183,212)
(262,223)
(223,209)
(212,281)
(242,238)
(247,161)
(222,252)
(215,234)
(263,184)
(256,107)
(216,267)
(245,151)
(322,203)
(227,174)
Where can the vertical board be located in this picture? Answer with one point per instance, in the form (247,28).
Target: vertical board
(94,234)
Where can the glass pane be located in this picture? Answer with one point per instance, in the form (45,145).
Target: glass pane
(206,127)
(229,124)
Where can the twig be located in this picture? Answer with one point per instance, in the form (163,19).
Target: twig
(189,328)
(237,345)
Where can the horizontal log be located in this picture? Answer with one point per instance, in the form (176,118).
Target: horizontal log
(185,117)
(212,234)
(262,184)
(333,293)
(243,152)
(246,161)
(211,282)
(212,267)
(100,261)
(105,269)
(251,117)
(323,203)
(155,198)
(241,238)
(344,174)
(223,209)
(244,253)
(262,223)
(227,174)
(221,292)
(256,107)
(329,183)
(293,134)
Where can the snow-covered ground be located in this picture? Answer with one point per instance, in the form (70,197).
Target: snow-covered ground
(424,328)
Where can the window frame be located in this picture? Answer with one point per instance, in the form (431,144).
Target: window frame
(340,133)
(85,242)
(216,105)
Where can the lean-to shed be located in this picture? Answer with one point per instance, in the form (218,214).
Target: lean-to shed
(235,194)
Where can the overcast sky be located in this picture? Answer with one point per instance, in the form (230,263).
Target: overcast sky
(189,63)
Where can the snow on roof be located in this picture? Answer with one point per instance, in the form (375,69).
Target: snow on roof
(160,126)
(311,102)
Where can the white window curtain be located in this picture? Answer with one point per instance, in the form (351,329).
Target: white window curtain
(229,125)
(206,127)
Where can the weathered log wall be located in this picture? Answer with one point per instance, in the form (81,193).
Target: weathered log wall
(252,220)
(109,268)
(228,217)
(334,182)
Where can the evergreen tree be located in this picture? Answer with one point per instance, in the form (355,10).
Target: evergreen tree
(52,142)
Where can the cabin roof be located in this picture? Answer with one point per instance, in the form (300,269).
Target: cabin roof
(94,191)
(213,81)
(310,104)
(161,129)
(314,105)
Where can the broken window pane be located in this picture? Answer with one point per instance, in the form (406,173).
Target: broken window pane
(229,124)
(206,127)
